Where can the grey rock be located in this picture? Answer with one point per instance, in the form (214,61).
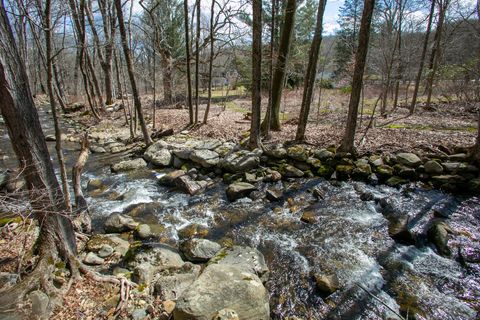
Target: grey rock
(433,167)
(143,273)
(186,184)
(246,258)
(117,223)
(323,154)
(93,259)
(160,256)
(182,153)
(96,243)
(97,149)
(169,178)
(139,314)
(458,157)
(117,271)
(239,190)
(438,235)
(205,157)
(143,231)
(241,161)
(158,155)
(105,251)
(199,250)
(226,314)
(128,165)
(289,171)
(276,151)
(223,286)
(40,303)
(171,283)
(274,194)
(409,159)
(298,153)
(459,167)
(327,283)
(8,280)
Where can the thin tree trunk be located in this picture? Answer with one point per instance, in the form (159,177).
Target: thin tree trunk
(210,63)
(280,68)
(254,141)
(131,73)
(187,51)
(422,58)
(399,54)
(309,84)
(197,61)
(347,144)
(268,115)
(58,133)
(436,53)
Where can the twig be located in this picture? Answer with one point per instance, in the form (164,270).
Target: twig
(380,300)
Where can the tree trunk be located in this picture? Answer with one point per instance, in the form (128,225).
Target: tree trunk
(309,84)
(280,68)
(197,61)
(210,63)
(422,58)
(436,53)
(167,65)
(58,133)
(347,144)
(56,237)
(268,115)
(187,51)
(131,73)
(256,74)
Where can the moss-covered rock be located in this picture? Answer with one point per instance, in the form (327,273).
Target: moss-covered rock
(298,153)
(395,181)
(325,171)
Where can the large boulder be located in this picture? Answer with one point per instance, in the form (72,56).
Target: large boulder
(128,165)
(229,281)
(246,258)
(205,157)
(117,223)
(158,154)
(239,190)
(171,283)
(409,159)
(241,161)
(199,250)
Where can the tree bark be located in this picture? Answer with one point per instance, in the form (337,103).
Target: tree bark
(187,51)
(131,73)
(422,58)
(210,62)
(436,53)
(167,64)
(309,84)
(56,237)
(347,144)
(197,62)
(256,74)
(280,68)
(58,133)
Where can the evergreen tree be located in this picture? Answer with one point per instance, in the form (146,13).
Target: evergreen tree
(346,46)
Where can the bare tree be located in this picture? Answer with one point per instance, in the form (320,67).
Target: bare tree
(210,62)
(347,144)
(197,61)
(187,51)
(131,73)
(280,68)
(309,84)
(256,74)
(422,58)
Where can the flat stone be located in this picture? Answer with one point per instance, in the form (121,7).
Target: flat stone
(409,159)
(105,251)
(158,154)
(129,165)
(241,161)
(323,154)
(169,178)
(239,190)
(327,284)
(274,194)
(171,283)
(433,167)
(186,184)
(117,223)
(199,250)
(205,157)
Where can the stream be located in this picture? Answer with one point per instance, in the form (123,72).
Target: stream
(349,238)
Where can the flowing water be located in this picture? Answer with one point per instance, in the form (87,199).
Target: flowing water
(378,276)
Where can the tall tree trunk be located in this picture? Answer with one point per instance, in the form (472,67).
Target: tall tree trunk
(256,74)
(187,51)
(399,71)
(309,84)
(268,115)
(131,73)
(167,64)
(56,237)
(197,61)
(347,144)
(280,68)
(436,53)
(422,58)
(58,133)
(210,62)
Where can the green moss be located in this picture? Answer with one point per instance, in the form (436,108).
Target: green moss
(324,171)
(5,221)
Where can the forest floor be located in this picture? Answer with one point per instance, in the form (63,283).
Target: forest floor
(447,124)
